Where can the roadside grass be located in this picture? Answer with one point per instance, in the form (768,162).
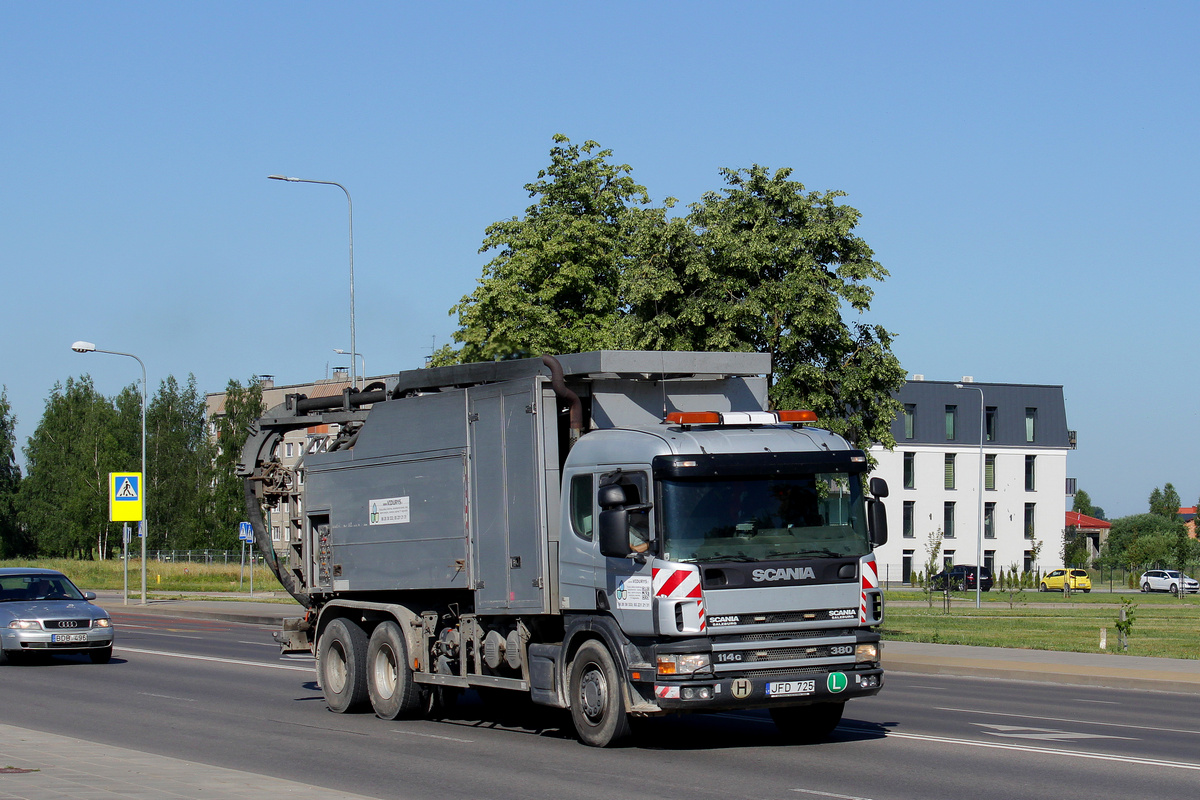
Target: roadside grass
(161,576)
(1163,625)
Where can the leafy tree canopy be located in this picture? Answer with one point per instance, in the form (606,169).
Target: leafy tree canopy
(243,405)
(1083,505)
(1140,540)
(761,265)
(1165,502)
(13,541)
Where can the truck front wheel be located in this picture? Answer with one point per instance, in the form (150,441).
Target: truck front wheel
(808,724)
(390,682)
(342,664)
(597,702)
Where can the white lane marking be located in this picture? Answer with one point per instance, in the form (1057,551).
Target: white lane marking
(262,644)
(1044,734)
(168,697)
(433,736)
(1100,702)
(211,658)
(830,794)
(1149,762)
(1072,721)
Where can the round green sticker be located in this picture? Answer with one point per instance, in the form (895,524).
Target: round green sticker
(836,682)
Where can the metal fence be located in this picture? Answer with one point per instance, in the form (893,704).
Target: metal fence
(201,556)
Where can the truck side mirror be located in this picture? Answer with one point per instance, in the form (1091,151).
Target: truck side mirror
(613,530)
(877,521)
(879,488)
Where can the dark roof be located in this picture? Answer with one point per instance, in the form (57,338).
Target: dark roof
(1010,401)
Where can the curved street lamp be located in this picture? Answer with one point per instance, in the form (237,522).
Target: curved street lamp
(350,204)
(88,347)
(342,352)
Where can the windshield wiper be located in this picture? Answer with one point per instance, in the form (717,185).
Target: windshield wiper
(822,551)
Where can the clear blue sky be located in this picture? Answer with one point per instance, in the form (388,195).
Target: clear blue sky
(1026,171)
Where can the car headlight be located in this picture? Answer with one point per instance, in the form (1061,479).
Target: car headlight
(866,652)
(25,624)
(103,623)
(682,664)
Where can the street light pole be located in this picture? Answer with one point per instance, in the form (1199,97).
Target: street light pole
(350,205)
(979,548)
(342,352)
(88,347)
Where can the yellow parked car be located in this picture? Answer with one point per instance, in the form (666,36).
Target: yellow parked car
(1052,581)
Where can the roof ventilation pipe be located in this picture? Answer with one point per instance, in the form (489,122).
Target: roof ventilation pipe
(563,393)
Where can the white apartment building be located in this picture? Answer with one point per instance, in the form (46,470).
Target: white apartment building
(934,477)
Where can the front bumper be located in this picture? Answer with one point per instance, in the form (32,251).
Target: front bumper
(802,688)
(43,641)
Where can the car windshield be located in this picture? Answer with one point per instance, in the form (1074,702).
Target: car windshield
(762,518)
(37,586)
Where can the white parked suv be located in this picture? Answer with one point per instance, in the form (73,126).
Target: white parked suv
(1168,580)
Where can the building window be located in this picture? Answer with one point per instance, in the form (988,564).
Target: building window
(909,526)
(989,520)
(990,424)
(1030,424)
(989,471)
(948,559)
(948,520)
(1029,481)
(910,421)
(910,476)
(287,450)
(275,533)
(989,560)
(951,414)
(949,470)
(906,566)
(1029,515)
(1028,565)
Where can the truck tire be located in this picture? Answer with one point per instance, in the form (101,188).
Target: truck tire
(342,661)
(597,700)
(390,683)
(808,724)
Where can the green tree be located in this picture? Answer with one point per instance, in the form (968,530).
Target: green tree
(64,499)
(763,265)
(1083,505)
(1074,547)
(243,405)
(1165,502)
(179,460)
(554,281)
(1140,540)
(13,541)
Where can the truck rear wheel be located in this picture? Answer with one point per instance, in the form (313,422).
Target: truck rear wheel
(390,682)
(597,700)
(808,724)
(342,661)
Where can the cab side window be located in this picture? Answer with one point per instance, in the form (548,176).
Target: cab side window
(581,506)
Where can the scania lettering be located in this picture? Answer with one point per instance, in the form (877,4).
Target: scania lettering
(618,533)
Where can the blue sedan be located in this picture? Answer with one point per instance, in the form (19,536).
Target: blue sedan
(43,613)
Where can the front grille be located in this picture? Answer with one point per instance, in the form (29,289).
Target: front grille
(779,671)
(812,633)
(67,624)
(791,653)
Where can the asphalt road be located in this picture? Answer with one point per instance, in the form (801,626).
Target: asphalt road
(219,694)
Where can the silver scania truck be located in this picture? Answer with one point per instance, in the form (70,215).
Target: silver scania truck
(617,533)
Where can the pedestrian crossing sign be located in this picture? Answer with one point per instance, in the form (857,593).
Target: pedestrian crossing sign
(125,497)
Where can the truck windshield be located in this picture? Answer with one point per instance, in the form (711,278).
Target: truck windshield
(762,518)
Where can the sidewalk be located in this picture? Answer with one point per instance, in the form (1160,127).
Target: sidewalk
(43,766)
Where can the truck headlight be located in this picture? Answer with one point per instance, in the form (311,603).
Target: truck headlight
(25,624)
(866,652)
(683,663)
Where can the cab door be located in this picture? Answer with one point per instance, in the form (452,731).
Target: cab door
(628,583)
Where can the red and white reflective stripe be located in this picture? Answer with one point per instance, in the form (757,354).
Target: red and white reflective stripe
(677,582)
(870,580)
(666,692)
(681,583)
